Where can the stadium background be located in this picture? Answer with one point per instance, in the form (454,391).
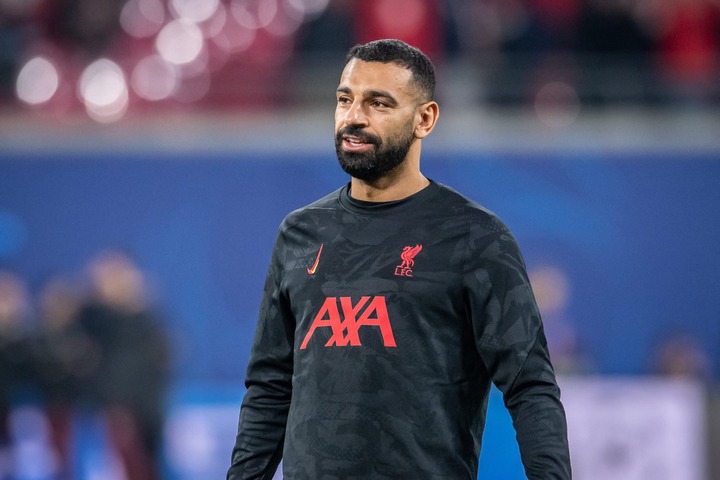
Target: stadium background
(181,133)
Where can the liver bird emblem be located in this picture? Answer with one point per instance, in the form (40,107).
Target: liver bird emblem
(408,256)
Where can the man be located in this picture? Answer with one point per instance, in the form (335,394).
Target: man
(389,307)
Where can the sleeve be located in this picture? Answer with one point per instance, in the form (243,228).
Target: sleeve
(510,340)
(263,414)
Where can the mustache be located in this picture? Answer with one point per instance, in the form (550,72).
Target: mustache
(357,132)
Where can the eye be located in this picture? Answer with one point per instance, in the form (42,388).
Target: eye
(343,100)
(379,104)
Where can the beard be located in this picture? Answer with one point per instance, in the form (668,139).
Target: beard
(373,165)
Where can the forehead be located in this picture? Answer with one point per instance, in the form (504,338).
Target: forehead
(359,76)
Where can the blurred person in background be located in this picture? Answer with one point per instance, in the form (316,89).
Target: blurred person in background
(553,291)
(17,28)
(610,27)
(64,359)
(86,26)
(680,355)
(417,22)
(549,27)
(614,47)
(687,46)
(390,306)
(130,371)
(331,32)
(15,361)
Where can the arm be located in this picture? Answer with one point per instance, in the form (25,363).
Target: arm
(263,415)
(510,340)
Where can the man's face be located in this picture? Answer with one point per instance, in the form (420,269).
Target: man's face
(374,118)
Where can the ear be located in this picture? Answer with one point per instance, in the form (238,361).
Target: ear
(427,114)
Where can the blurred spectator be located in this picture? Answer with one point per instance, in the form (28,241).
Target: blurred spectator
(542,26)
(551,288)
(609,27)
(629,50)
(477,28)
(130,377)
(87,26)
(330,32)
(614,47)
(680,355)
(688,45)
(63,359)
(417,22)
(14,357)
(16,29)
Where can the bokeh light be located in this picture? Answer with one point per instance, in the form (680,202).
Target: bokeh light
(234,38)
(180,42)
(214,25)
(254,14)
(286,22)
(142,18)
(103,90)
(154,79)
(194,10)
(37,81)
(557,104)
(13,233)
(307,9)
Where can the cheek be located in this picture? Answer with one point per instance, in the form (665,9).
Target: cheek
(339,119)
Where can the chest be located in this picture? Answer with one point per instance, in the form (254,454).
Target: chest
(374,284)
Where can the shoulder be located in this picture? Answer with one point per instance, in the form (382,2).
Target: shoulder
(489,242)
(477,216)
(313,210)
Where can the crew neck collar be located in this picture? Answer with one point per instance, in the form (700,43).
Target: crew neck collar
(375,208)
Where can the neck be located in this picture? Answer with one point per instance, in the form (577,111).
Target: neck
(406,180)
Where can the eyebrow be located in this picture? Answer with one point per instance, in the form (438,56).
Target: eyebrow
(371,94)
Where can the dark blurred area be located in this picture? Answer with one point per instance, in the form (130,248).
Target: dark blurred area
(87,350)
(113,58)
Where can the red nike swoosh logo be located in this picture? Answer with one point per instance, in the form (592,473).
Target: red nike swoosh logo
(312,269)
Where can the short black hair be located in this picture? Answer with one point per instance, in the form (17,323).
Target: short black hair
(391,50)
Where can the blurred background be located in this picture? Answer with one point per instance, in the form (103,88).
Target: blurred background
(150,148)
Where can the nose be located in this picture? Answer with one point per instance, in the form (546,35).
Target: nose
(356,115)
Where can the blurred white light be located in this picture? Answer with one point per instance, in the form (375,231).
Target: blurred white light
(153,78)
(254,14)
(234,38)
(194,10)
(142,18)
(103,90)
(215,24)
(180,42)
(305,9)
(198,66)
(37,81)
(294,8)
(284,23)
(557,104)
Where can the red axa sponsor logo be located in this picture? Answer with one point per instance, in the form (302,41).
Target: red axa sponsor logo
(408,260)
(345,319)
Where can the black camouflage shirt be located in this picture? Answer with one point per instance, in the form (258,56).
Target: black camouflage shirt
(381,328)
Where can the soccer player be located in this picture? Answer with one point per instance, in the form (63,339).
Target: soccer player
(389,307)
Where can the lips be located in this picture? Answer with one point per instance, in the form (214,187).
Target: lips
(354,142)
(353,139)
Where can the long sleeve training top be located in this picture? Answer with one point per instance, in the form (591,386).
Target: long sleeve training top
(381,328)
